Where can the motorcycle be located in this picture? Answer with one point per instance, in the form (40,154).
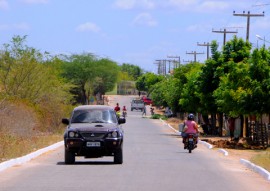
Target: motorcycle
(124,114)
(190,142)
(152,111)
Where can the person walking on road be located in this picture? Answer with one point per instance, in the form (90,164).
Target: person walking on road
(144,110)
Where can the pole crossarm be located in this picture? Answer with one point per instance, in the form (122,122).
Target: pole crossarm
(224,31)
(248,15)
(207,45)
(195,54)
(178,57)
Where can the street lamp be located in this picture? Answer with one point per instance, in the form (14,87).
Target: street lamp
(260,38)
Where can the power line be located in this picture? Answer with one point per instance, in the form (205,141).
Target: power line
(261,5)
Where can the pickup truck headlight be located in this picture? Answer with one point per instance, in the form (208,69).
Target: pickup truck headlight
(73,134)
(113,134)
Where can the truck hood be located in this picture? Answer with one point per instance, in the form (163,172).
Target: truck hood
(93,126)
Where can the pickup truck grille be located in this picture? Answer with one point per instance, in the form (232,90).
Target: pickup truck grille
(92,136)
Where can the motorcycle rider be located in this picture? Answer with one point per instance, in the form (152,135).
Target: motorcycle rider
(152,109)
(124,111)
(190,126)
(117,110)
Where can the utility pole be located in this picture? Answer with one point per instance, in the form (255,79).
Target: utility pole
(195,54)
(207,45)
(248,15)
(175,57)
(162,67)
(224,32)
(159,66)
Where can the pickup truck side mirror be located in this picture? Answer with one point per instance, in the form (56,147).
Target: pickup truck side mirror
(65,121)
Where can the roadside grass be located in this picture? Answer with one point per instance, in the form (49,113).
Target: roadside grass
(262,159)
(25,128)
(14,146)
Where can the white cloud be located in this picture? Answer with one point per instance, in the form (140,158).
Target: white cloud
(213,5)
(21,26)
(199,28)
(145,19)
(4,5)
(262,23)
(16,26)
(182,4)
(35,1)
(132,4)
(88,27)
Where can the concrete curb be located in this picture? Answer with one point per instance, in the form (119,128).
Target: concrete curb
(224,152)
(209,146)
(264,173)
(26,158)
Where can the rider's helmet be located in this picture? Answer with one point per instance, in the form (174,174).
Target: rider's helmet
(191,116)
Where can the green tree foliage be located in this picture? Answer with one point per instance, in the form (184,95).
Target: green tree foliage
(26,78)
(236,50)
(158,93)
(234,75)
(133,71)
(172,93)
(208,81)
(260,76)
(107,71)
(147,81)
(90,75)
(233,89)
(189,100)
(23,75)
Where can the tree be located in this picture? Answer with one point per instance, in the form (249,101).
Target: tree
(260,76)
(23,74)
(90,75)
(189,100)
(81,71)
(147,81)
(133,71)
(107,73)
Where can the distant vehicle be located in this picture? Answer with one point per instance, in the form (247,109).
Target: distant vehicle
(168,113)
(137,104)
(93,131)
(147,100)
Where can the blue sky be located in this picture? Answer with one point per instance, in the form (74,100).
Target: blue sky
(131,31)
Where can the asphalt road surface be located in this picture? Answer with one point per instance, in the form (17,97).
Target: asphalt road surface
(154,159)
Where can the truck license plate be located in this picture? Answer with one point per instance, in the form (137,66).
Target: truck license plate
(93,144)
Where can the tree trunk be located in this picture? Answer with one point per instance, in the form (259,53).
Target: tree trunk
(220,123)
(213,123)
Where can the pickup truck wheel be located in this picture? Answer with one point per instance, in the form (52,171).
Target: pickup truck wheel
(69,157)
(118,156)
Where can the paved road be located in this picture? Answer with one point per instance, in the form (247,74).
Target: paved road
(154,159)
